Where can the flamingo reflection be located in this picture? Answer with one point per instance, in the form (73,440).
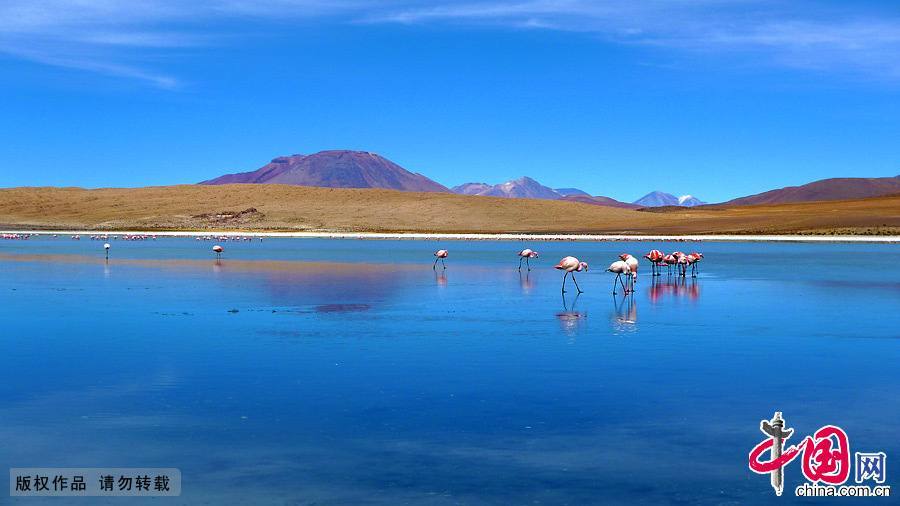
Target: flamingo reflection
(525,282)
(570,319)
(624,316)
(440,277)
(676,286)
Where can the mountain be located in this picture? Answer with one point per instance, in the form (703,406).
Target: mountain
(335,169)
(660,199)
(689,201)
(566,192)
(841,188)
(600,201)
(471,188)
(522,188)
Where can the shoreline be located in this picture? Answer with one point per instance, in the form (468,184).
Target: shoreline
(421,236)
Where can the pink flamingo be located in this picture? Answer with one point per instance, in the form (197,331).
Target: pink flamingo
(218,250)
(655,257)
(633,265)
(440,254)
(571,265)
(621,268)
(526,254)
(694,258)
(682,263)
(670,260)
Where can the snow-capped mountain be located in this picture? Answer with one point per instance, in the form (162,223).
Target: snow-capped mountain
(659,199)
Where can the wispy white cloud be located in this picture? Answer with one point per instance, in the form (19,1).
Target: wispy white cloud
(800,34)
(114,37)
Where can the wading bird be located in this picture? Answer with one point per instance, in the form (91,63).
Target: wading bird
(526,254)
(655,257)
(571,265)
(633,265)
(440,254)
(621,268)
(670,260)
(218,249)
(682,263)
(106,247)
(694,258)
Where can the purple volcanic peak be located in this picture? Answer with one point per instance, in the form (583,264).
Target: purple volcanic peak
(660,199)
(335,169)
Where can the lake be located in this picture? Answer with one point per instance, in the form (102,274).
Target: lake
(307,371)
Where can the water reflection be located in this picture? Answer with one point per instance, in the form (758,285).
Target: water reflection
(440,278)
(569,318)
(677,286)
(525,282)
(624,315)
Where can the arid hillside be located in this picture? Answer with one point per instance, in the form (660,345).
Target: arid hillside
(298,208)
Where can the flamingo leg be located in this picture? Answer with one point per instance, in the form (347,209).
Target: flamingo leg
(520,263)
(576,283)
(443,263)
(564,281)
(528,263)
(434,265)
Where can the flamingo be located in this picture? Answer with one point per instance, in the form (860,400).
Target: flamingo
(571,265)
(683,262)
(218,249)
(696,257)
(620,267)
(440,254)
(656,257)
(670,260)
(106,247)
(632,264)
(526,254)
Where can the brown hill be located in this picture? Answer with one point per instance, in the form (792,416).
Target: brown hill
(299,208)
(841,188)
(334,169)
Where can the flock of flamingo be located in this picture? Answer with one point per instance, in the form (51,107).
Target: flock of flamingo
(625,269)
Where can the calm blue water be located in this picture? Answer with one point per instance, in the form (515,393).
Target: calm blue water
(334,372)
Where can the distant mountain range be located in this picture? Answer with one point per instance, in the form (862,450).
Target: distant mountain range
(841,188)
(522,188)
(335,169)
(569,192)
(660,199)
(362,169)
(525,187)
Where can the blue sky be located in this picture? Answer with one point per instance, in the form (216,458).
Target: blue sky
(717,98)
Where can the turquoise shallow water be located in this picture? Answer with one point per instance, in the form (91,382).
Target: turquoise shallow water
(344,371)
